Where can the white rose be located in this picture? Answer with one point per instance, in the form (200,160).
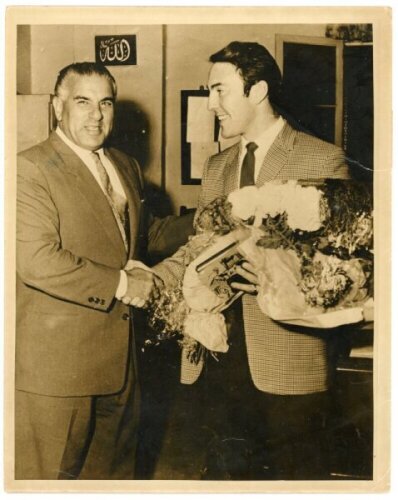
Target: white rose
(270,196)
(303,208)
(244,202)
(358,291)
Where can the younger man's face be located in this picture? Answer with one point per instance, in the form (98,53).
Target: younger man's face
(234,110)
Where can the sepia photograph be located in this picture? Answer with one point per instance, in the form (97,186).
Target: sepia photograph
(198,249)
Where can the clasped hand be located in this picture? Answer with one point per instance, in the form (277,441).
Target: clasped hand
(142,286)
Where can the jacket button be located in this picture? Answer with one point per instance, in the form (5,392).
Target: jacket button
(126,316)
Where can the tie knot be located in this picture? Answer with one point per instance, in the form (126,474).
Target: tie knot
(251,147)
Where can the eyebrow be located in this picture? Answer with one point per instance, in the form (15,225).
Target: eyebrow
(84,98)
(215,85)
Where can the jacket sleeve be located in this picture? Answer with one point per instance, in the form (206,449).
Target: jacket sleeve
(336,165)
(171,270)
(42,263)
(167,234)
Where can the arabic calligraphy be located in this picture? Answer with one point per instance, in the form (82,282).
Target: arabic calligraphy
(113,50)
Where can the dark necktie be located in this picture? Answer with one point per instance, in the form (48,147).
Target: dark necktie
(117,203)
(233,314)
(247,172)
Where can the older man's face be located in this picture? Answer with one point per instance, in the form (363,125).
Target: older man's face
(85,110)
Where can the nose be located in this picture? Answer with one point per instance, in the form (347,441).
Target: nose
(96,112)
(212,102)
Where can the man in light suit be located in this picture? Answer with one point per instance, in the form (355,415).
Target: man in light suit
(272,385)
(80,212)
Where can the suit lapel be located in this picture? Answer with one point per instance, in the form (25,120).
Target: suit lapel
(274,162)
(277,156)
(231,177)
(91,192)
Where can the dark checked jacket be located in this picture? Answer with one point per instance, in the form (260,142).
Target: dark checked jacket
(282,359)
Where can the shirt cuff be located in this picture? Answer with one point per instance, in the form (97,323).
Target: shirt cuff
(122,286)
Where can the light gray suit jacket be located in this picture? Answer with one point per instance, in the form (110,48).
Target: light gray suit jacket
(282,359)
(73,338)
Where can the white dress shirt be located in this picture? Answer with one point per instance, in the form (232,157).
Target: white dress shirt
(264,142)
(86,156)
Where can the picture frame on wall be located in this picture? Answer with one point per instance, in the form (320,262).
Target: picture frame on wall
(199,134)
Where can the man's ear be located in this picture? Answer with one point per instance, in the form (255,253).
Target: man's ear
(58,106)
(259,91)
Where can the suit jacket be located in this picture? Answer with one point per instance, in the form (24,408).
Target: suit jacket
(282,359)
(73,338)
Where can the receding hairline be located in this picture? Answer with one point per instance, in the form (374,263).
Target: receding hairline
(63,87)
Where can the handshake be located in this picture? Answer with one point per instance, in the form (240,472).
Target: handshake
(140,285)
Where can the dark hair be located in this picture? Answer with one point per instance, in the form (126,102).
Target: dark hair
(254,63)
(84,69)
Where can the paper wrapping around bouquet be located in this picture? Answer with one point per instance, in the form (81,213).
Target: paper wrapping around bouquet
(331,319)
(207,292)
(280,297)
(206,289)
(209,329)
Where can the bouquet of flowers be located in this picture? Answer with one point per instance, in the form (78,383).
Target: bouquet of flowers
(309,242)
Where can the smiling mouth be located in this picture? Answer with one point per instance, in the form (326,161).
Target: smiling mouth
(222,117)
(94,129)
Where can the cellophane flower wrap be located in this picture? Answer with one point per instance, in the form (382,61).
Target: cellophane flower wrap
(310,244)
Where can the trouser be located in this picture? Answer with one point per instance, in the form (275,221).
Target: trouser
(293,441)
(77,437)
(253,434)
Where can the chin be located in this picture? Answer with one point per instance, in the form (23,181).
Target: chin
(227,135)
(94,144)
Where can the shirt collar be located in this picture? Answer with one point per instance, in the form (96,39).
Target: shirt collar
(265,139)
(81,152)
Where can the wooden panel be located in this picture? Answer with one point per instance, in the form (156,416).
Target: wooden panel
(33,120)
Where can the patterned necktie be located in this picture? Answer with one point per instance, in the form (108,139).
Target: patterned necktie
(247,172)
(116,201)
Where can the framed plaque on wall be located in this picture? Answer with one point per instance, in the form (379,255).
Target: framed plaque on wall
(199,134)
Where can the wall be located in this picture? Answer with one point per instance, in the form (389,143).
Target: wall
(23,58)
(28,106)
(188,48)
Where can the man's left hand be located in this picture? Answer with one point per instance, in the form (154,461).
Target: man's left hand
(246,270)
